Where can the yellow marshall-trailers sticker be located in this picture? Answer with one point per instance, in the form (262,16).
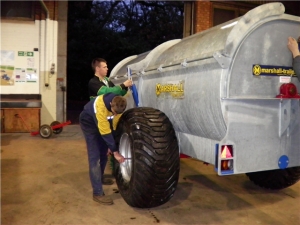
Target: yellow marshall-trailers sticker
(267,70)
(173,88)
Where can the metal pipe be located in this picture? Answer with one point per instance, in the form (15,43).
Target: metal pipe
(46,77)
(45,8)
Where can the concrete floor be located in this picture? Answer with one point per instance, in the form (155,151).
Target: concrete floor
(45,181)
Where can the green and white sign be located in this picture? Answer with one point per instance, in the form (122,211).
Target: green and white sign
(23,53)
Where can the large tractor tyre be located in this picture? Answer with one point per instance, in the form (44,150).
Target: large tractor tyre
(275,179)
(149,175)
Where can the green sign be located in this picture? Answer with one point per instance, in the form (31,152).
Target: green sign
(30,54)
(22,53)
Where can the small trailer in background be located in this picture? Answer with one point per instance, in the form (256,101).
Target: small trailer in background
(45,130)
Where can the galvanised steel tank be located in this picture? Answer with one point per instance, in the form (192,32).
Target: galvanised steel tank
(220,89)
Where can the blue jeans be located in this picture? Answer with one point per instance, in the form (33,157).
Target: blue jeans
(96,149)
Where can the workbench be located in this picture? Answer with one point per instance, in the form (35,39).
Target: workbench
(20,112)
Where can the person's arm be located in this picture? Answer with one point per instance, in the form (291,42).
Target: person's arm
(105,130)
(293,47)
(103,124)
(119,90)
(96,87)
(116,154)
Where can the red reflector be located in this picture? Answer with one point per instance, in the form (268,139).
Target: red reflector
(288,90)
(226,151)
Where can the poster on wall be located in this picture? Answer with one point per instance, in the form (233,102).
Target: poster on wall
(27,58)
(30,62)
(31,75)
(7,67)
(20,75)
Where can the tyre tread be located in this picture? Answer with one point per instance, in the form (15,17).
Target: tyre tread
(275,179)
(156,155)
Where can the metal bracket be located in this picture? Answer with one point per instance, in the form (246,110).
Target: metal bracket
(160,69)
(223,60)
(184,63)
(284,117)
(140,73)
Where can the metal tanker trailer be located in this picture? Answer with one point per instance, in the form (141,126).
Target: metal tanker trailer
(227,96)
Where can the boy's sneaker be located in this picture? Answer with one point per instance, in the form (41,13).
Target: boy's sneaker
(102,199)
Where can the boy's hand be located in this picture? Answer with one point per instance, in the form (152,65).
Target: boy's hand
(128,83)
(119,157)
(293,46)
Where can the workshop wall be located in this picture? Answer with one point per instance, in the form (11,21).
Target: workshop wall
(29,62)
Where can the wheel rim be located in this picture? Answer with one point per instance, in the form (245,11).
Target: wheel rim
(45,131)
(125,150)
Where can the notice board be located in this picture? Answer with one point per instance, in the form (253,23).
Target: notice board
(19,72)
